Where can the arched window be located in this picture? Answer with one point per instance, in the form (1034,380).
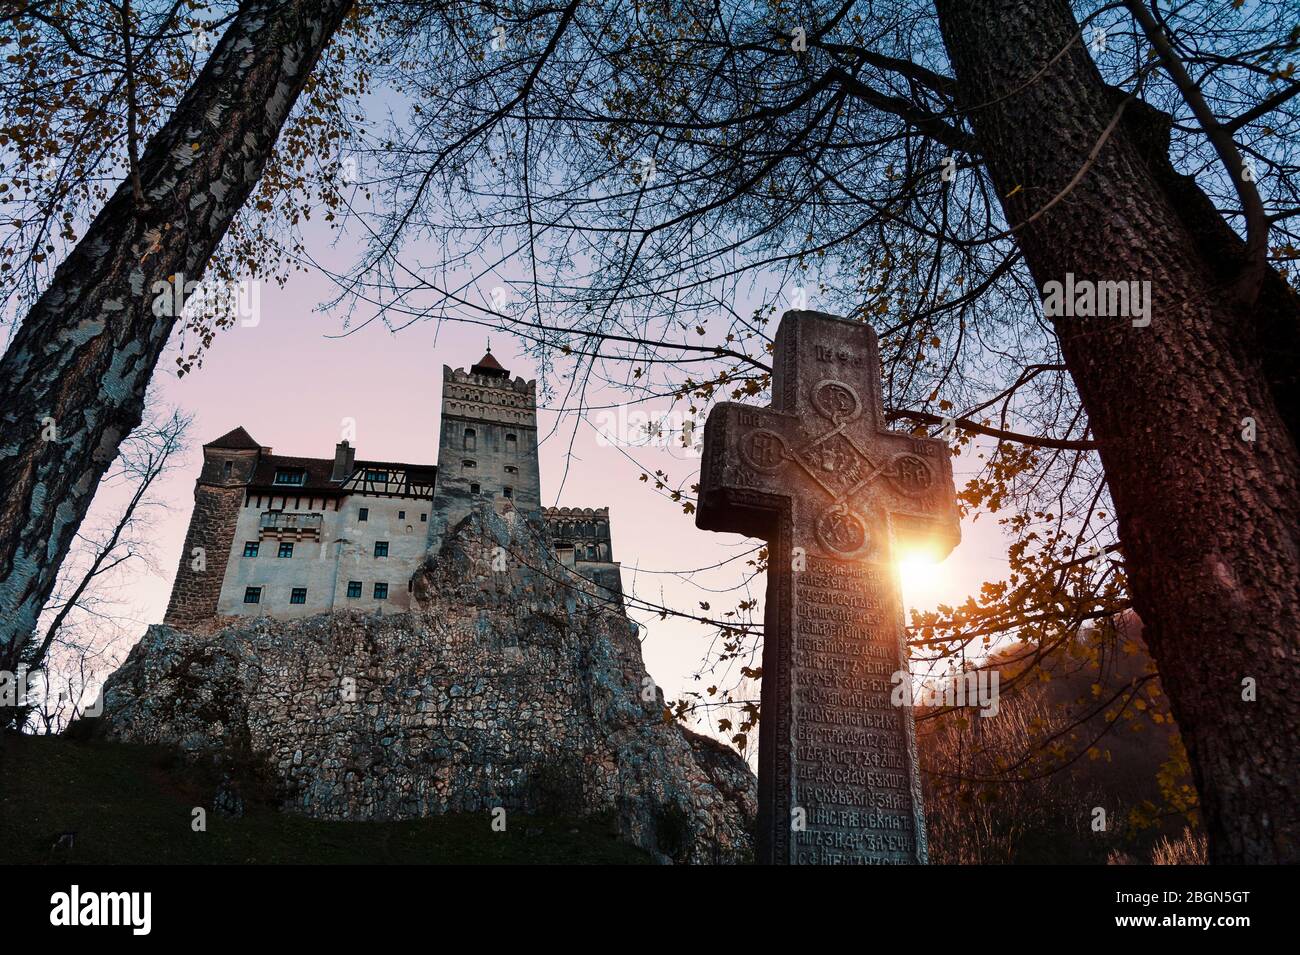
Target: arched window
(467,464)
(471,439)
(512,444)
(473,489)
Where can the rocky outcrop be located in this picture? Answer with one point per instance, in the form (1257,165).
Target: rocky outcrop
(514,684)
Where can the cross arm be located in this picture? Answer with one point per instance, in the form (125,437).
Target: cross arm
(740,491)
(922,499)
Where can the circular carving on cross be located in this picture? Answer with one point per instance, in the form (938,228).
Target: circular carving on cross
(836,400)
(911,474)
(839,529)
(763,449)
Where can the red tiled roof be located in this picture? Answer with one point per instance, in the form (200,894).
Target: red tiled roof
(318,471)
(317,478)
(488,364)
(239,439)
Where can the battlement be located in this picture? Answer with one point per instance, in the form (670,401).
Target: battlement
(582,530)
(481,395)
(471,377)
(576,513)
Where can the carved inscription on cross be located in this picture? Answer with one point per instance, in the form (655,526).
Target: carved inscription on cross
(837,497)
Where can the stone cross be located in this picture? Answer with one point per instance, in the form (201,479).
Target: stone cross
(835,495)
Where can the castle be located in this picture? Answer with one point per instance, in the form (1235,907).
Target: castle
(285,536)
(515,682)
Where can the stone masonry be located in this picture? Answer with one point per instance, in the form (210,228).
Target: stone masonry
(205,555)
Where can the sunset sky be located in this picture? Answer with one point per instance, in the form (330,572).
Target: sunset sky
(290,380)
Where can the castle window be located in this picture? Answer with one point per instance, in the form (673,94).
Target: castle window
(512,444)
(381,548)
(291,476)
(363,514)
(591,552)
(354,589)
(401,515)
(468,464)
(511,469)
(298,595)
(471,439)
(381,591)
(250,548)
(286,549)
(473,489)
(424,518)
(252,595)
(379,477)
(227,468)
(510,492)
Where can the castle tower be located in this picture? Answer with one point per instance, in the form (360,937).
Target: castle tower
(228,466)
(487,447)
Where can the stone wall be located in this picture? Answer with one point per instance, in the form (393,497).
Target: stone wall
(584,530)
(508,686)
(196,590)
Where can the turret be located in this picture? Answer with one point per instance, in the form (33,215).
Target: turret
(229,463)
(488,442)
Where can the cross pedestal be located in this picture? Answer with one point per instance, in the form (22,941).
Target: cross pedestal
(837,497)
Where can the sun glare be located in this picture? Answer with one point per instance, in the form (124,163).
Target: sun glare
(920,576)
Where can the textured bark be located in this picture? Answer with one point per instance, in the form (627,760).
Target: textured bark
(1209,521)
(85,353)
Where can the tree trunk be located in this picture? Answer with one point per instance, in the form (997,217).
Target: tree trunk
(73,380)
(1209,521)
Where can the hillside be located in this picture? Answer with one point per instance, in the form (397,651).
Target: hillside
(129,803)
(1046,818)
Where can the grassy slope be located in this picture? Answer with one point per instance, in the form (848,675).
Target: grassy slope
(132,804)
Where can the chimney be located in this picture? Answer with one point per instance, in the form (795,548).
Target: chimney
(344,455)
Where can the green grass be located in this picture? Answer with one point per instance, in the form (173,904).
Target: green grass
(132,804)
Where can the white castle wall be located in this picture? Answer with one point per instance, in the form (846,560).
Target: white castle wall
(344,552)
